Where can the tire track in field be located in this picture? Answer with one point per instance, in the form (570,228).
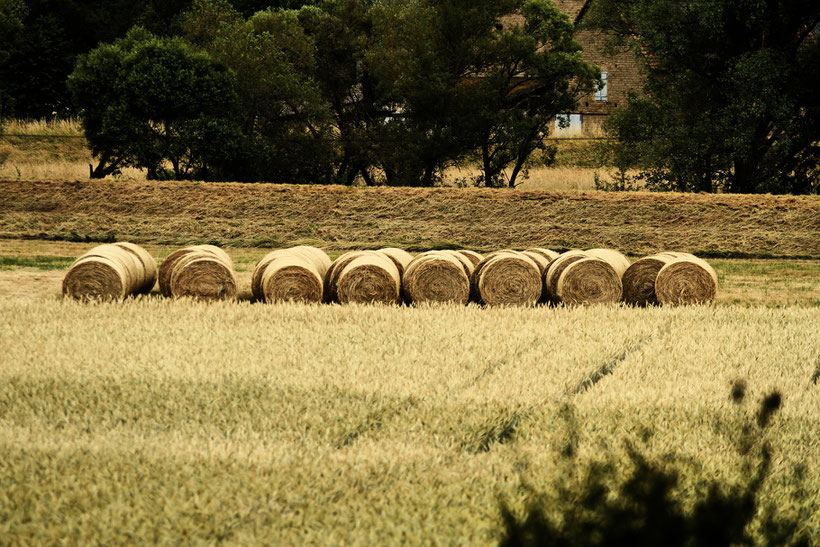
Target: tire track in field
(374,421)
(609,366)
(503,426)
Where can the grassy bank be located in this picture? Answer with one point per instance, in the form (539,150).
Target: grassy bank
(265,215)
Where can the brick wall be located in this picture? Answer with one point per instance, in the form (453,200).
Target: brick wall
(622,71)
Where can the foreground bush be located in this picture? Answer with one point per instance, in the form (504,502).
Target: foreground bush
(647,507)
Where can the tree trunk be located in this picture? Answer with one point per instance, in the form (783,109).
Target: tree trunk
(487,164)
(519,164)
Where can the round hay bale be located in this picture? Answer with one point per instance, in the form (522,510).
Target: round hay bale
(203,275)
(543,265)
(369,278)
(400,257)
(319,258)
(465,261)
(616,259)
(474,295)
(686,280)
(510,279)
(213,249)
(259,270)
(335,270)
(149,265)
(166,269)
(474,257)
(436,277)
(540,260)
(557,267)
(134,271)
(589,280)
(546,253)
(304,252)
(291,279)
(96,278)
(639,279)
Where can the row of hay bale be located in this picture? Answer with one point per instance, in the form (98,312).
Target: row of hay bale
(392,276)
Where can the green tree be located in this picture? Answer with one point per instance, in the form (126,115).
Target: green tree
(730,99)
(12,15)
(342,35)
(471,77)
(281,108)
(146,100)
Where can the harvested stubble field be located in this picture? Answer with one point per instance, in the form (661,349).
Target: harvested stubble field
(155,420)
(273,216)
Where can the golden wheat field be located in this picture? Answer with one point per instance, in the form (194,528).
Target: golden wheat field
(180,422)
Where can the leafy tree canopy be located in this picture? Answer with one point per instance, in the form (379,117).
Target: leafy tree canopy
(146,100)
(730,99)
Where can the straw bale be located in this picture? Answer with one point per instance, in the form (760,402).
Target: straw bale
(96,278)
(291,278)
(474,257)
(217,252)
(639,279)
(203,275)
(311,254)
(319,258)
(589,280)
(509,279)
(546,253)
(436,277)
(400,257)
(542,261)
(616,259)
(474,295)
(686,280)
(557,267)
(369,278)
(166,269)
(149,265)
(134,271)
(335,270)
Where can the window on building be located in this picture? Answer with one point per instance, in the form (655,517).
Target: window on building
(601,94)
(567,125)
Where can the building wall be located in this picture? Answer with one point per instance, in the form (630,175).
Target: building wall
(622,71)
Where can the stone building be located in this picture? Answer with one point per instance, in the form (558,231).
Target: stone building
(619,71)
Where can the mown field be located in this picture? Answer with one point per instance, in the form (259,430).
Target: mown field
(169,421)
(268,215)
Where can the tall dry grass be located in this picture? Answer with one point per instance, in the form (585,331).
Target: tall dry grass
(70,127)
